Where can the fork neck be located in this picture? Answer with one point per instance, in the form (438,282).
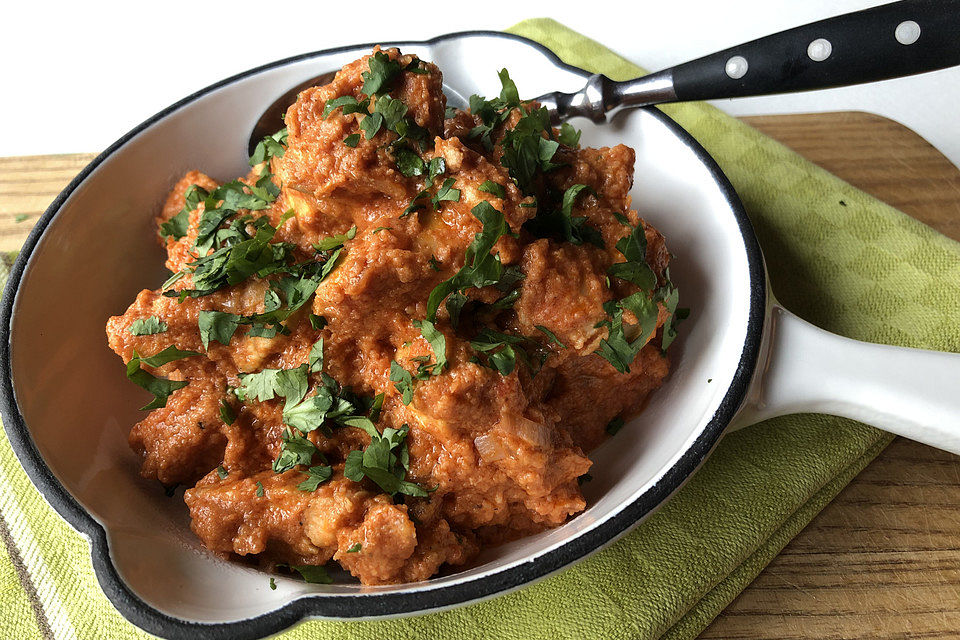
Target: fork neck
(602,98)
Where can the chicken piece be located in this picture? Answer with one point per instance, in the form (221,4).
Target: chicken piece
(183,441)
(611,394)
(564,291)
(318,162)
(229,516)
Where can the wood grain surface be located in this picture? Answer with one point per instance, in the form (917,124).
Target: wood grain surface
(882,560)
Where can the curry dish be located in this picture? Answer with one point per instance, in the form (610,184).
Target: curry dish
(394,341)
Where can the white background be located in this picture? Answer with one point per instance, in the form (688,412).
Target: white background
(78,75)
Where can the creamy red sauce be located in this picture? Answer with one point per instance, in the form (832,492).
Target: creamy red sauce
(497,455)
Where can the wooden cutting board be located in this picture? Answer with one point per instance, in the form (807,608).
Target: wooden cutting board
(883,559)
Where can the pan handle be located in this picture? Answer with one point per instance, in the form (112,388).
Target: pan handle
(803,369)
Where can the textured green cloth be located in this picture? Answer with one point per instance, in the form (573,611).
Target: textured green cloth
(836,256)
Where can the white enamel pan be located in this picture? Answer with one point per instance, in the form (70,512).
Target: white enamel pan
(68,407)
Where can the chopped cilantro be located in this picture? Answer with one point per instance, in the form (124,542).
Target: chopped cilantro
(311,412)
(352,140)
(616,348)
(382,71)
(290,384)
(315,359)
(294,450)
(227,413)
(221,472)
(550,335)
(312,573)
(379,229)
(234,262)
(635,268)
(445,192)
(501,349)
(315,476)
(433,264)
(393,111)
(376,406)
(437,342)
(435,168)
(409,163)
(176,227)
(217,325)
(273,584)
(508,92)
(416,203)
(526,152)
(403,380)
(259,489)
(348,104)
(371,124)
(317,322)
(269,147)
(495,188)
(385,461)
(354,548)
(147,326)
(559,222)
(670,297)
(338,240)
(161,388)
(224,202)
(169,354)
(568,135)
(480,268)
(614,425)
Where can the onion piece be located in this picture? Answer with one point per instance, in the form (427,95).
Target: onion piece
(490,447)
(533,433)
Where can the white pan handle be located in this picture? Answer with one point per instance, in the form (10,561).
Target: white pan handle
(804,369)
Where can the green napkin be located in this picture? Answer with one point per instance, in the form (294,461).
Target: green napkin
(836,256)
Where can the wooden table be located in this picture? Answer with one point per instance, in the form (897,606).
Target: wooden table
(882,560)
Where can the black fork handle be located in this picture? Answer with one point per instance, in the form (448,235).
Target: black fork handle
(888,41)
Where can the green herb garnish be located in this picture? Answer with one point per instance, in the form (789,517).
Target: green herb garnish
(550,335)
(614,425)
(382,71)
(480,268)
(437,342)
(315,476)
(269,147)
(227,413)
(217,325)
(294,450)
(147,326)
(403,380)
(311,573)
(385,461)
(327,244)
(494,188)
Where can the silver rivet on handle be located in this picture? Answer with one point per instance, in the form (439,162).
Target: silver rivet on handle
(819,50)
(907,32)
(736,67)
